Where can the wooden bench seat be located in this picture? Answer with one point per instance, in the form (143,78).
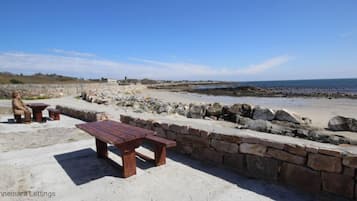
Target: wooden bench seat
(159,144)
(54,113)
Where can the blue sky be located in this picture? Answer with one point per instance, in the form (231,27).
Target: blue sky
(183,39)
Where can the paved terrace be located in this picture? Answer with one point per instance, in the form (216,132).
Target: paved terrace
(59,159)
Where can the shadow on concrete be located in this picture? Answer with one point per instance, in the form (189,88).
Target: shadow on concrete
(83,166)
(13,121)
(140,162)
(9,121)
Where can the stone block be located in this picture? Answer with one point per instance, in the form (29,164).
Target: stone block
(160,131)
(178,129)
(349,171)
(331,152)
(285,156)
(224,146)
(262,167)
(339,184)
(350,161)
(324,163)
(193,139)
(255,149)
(255,140)
(300,177)
(204,133)
(312,149)
(194,131)
(171,135)
(184,148)
(234,161)
(224,137)
(295,149)
(211,156)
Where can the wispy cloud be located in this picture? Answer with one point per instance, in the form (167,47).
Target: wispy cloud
(205,70)
(71,53)
(139,68)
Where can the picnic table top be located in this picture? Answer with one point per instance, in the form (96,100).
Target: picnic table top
(113,132)
(37,105)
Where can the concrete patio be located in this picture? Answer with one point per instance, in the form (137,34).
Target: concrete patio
(70,170)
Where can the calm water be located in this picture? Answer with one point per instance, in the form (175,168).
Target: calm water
(322,85)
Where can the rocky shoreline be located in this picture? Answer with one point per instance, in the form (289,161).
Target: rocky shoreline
(245,116)
(273,92)
(225,89)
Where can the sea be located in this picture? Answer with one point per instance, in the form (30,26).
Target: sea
(303,86)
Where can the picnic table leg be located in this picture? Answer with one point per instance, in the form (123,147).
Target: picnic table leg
(102,148)
(160,155)
(129,163)
(37,115)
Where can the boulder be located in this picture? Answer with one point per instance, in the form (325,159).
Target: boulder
(227,115)
(181,109)
(353,125)
(263,113)
(244,110)
(340,123)
(195,112)
(285,115)
(259,125)
(214,110)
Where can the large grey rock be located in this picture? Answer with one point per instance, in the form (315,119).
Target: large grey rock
(353,125)
(244,110)
(263,113)
(285,115)
(196,111)
(214,110)
(259,125)
(340,123)
(181,109)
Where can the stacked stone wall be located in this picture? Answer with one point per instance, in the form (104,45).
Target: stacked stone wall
(50,90)
(84,115)
(310,168)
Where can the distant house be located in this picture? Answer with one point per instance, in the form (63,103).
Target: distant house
(111,81)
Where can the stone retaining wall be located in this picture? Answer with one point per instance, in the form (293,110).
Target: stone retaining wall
(84,115)
(318,169)
(50,90)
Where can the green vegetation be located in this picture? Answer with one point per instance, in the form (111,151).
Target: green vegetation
(38,78)
(36,97)
(15,81)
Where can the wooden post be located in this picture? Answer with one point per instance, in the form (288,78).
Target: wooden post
(129,163)
(37,114)
(102,148)
(160,155)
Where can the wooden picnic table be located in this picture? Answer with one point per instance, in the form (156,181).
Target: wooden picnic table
(37,110)
(126,138)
